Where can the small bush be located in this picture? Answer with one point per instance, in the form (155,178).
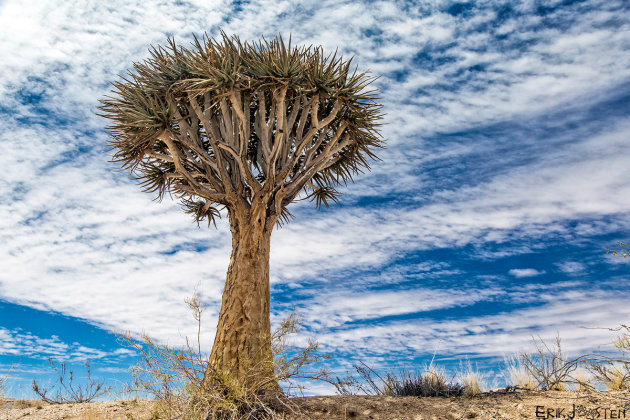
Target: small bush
(430,383)
(613,376)
(613,373)
(65,391)
(548,366)
(185,386)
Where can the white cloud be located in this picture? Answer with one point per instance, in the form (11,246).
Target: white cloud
(83,241)
(112,370)
(18,343)
(525,272)
(565,313)
(336,309)
(571,267)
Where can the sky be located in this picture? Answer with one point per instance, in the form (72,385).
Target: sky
(486,223)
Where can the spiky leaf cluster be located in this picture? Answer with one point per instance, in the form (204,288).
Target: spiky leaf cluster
(231,123)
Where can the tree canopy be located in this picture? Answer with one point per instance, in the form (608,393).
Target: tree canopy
(225,122)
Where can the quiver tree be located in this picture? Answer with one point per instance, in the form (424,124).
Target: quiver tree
(246,127)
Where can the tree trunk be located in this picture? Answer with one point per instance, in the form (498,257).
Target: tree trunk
(242,345)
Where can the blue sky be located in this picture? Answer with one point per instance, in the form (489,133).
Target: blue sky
(486,222)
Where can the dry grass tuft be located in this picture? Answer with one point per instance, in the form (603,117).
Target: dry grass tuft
(614,372)
(3,385)
(472,379)
(93,414)
(516,374)
(614,376)
(582,380)
(432,382)
(3,381)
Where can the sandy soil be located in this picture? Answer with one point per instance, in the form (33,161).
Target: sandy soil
(493,405)
(31,410)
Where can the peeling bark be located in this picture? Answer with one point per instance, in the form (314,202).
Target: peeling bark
(242,345)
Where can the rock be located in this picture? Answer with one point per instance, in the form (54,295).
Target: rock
(351,411)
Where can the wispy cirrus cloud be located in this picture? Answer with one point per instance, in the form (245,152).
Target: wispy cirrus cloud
(361,306)
(580,316)
(24,344)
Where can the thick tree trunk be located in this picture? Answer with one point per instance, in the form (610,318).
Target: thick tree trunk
(242,346)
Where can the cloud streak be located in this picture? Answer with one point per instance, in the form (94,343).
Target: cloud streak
(16,343)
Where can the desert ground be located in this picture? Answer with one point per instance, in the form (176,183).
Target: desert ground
(512,405)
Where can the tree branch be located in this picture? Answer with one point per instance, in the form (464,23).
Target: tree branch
(299,180)
(245,172)
(214,137)
(227,123)
(261,126)
(160,156)
(281,108)
(311,150)
(309,136)
(202,192)
(196,188)
(241,158)
(192,141)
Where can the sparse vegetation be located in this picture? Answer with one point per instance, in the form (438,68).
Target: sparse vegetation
(549,368)
(582,380)
(516,374)
(431,382)
(614,372)
(472,380)
(3,384)
(64,390)
(186,386)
